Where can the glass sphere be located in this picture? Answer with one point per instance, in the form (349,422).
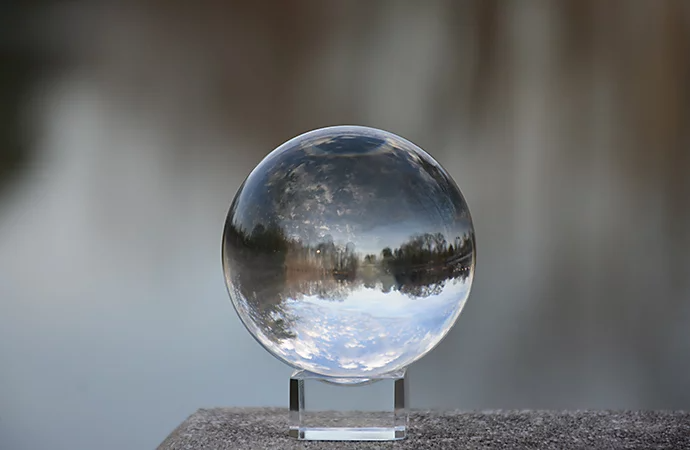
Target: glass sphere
(348,252)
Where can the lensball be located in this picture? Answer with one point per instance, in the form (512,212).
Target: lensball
(348,252)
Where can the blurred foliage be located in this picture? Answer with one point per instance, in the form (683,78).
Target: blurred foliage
(17,75)
(21,66)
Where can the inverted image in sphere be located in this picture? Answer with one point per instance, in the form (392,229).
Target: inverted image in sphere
(349,252)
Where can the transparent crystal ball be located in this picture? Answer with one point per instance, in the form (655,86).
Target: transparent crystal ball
(349,252)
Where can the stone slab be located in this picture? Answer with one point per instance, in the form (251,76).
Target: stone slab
(266,428)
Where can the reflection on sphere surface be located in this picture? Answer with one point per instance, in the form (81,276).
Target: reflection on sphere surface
(348,252)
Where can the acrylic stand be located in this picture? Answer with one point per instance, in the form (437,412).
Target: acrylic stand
(348,409)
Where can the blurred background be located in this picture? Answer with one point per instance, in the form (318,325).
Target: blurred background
(127,127)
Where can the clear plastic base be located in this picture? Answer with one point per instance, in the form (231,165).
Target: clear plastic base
(348,409)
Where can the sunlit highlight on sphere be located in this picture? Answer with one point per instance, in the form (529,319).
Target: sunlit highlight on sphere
(349,252)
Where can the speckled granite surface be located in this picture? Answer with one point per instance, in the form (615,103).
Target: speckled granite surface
(266,428)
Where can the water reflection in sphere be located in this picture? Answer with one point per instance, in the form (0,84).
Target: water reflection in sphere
(348,252)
